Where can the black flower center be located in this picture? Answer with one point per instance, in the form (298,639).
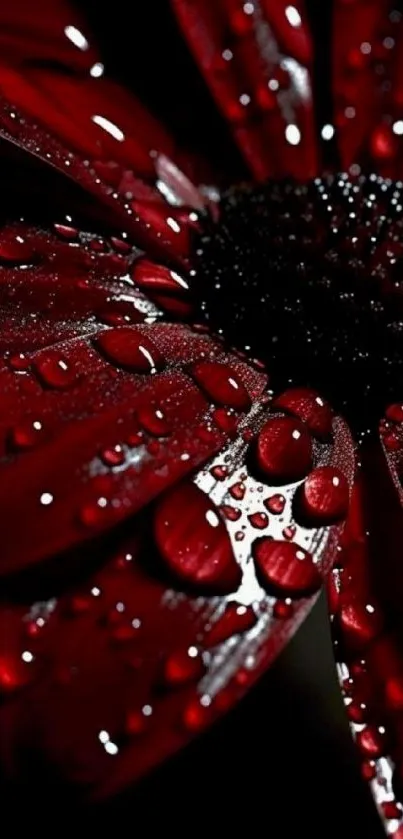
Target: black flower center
(308,278)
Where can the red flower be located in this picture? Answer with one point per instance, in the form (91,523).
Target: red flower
(170,505)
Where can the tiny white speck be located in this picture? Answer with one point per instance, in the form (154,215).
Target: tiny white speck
(109,127)
(147,710)
(27,656)
(327,132)
(212,518)
(76,37)
(293,16)
(46,498)
(111,748)
(97,70)
(173,224)
(293,134)
(398,127)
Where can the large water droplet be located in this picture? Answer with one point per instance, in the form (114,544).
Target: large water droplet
(309,407)
(130,349)
(221,384)
(324,496)
(54,371)
(195,545)
(286,568)
(284,449)
(154,421)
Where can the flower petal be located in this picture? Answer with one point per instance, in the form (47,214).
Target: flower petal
(104,681)
(365,592)
(256,61)
(367,83)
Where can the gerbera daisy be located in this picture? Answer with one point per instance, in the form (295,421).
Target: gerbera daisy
(200,375)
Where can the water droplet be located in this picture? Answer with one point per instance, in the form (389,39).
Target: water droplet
(78,604)
(154,421)
(289,532)
(183,666)
(137,722)
(219,472)
(235,620)
(284,449)
(15,672)
(359,625)
(54,371)
(371,741)
(356,712)
(238,491)
(275,504)
(19,362)
(221,384)
(283,609)
(15,249)
(285,567)
(309,407)
(368,770)
(230,513)
(125,631)
(120,245)
(259,520)
(113,456)
(323,498)
(65,231)
(196,547)
(196,715)
(226,421)
(96,512)
(394,413)
(27,435)
(391,810)
(130,349)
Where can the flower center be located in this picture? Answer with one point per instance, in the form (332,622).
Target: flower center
(308,278)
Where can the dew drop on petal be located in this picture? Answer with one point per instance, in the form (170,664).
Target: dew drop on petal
(196,546)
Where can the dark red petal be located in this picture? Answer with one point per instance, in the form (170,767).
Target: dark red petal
(367,82)
(90,395)
(365,598)
(51,69)
(161,229)
(105,681)
(256,61)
